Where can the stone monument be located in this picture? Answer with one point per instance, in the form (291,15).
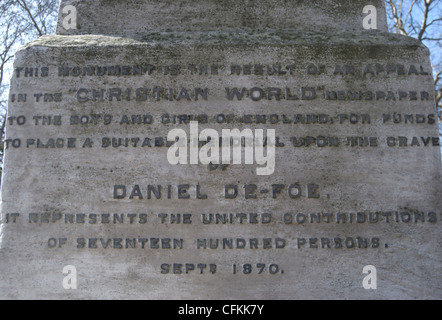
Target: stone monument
(161,149)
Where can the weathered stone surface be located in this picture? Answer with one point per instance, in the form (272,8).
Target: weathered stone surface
(356,182)
(141,18)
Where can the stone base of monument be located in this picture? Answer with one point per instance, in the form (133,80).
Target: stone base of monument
(92,207)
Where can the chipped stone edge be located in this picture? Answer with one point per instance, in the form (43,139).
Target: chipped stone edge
(165,39)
